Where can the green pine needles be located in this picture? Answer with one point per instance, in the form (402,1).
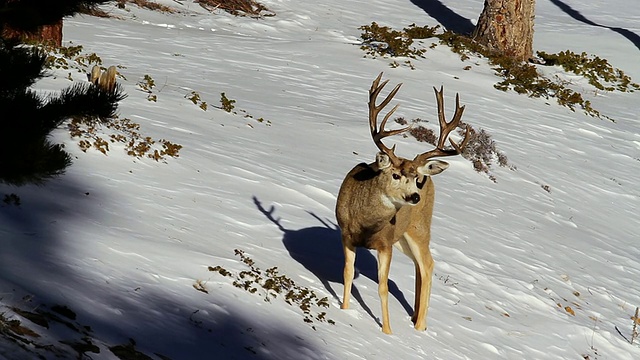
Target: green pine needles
(521,77)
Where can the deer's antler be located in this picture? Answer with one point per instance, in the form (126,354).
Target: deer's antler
(445,129)
(374,110)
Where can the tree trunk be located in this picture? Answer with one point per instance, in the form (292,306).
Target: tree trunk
(48,34)
(506,27)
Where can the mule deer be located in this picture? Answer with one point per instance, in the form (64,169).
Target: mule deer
(389,203)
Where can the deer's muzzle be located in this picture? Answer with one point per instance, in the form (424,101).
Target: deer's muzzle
(413,198)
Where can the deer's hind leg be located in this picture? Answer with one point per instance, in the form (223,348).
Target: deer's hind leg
(348,273)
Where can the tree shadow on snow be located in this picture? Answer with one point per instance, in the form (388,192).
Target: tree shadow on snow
(146,323)
(30,235)
(445,16)
(631,36)
(319,250)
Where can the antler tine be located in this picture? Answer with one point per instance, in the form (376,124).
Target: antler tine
(460,146)
(441,118)
(459,110)
(374,110)
(457,116)
(384,133)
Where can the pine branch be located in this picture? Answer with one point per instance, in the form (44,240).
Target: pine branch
(83,100)
(20,67)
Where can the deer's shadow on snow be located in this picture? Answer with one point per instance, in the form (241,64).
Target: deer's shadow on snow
(319,250)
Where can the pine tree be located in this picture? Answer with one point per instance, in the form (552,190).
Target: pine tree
(27,118)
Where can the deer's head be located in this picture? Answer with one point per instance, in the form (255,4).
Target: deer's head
(402,178)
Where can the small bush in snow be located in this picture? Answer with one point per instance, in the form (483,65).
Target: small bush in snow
(596,70)
(270,283)
(482,152)
(124,131)
(481,149)
(11,199)
(226,104)
(147,84)
(196,100)
(69,57)
(521,77)
(145,4)
(249,8)
(384,41)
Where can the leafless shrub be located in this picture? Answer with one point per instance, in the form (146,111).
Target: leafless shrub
(481,149)
(419,132)
(424,134)
(482,152)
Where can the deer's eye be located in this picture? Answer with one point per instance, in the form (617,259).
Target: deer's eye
(396,176)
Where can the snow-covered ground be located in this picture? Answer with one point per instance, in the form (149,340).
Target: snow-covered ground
(542,264)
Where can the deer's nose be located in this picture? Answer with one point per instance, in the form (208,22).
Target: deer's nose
(414,198)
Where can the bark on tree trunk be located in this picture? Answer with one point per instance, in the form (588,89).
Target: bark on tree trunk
(50,34)
(506,26)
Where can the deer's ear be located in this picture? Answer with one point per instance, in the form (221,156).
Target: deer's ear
(382,161)
(433,167)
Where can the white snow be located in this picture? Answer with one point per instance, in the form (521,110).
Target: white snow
(121,241)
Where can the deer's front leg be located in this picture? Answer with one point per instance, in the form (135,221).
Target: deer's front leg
(384,263)
(349,269)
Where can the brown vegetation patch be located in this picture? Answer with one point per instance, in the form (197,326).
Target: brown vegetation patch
(237,7)
(149,5)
